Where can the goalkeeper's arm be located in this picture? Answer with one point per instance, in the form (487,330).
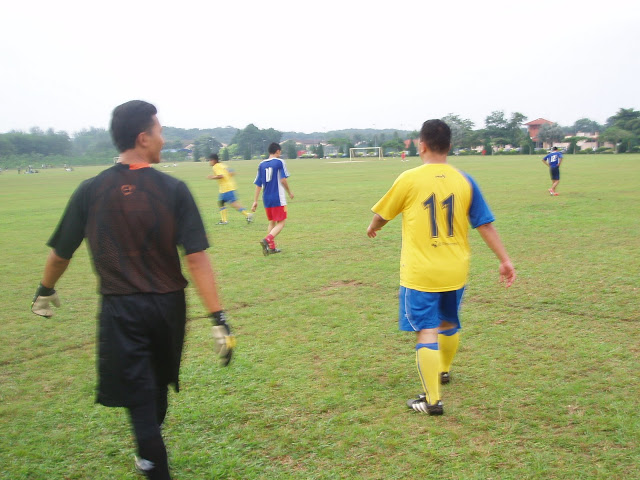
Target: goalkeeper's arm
(45,295)
(202,275)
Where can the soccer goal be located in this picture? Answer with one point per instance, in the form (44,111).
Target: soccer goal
(357,153)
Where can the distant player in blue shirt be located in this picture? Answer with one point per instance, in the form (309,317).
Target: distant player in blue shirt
(553,160)
(272,177)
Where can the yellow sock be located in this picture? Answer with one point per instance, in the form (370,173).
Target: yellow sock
(223,214)
(245,212)
(447,346)
(428,363)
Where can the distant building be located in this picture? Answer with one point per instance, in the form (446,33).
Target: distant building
(534,129)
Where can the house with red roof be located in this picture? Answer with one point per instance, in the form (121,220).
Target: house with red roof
(534,128)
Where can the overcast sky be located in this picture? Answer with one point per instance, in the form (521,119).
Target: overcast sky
(297,65)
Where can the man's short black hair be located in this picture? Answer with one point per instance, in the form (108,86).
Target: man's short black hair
(436,135)
(274,147)
(214,156)
(554,148)
(128,121)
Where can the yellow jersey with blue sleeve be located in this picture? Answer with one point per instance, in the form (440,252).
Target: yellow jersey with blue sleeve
(437,203)
(226,183)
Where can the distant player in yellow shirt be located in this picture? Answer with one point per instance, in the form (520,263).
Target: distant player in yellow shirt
(227,186)
(437,203)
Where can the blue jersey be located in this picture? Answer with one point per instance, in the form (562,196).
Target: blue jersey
(553,159)
(270,172)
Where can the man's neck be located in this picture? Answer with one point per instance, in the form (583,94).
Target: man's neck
(431,157)
(132,157)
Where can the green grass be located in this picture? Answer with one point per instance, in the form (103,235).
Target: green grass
(544,386)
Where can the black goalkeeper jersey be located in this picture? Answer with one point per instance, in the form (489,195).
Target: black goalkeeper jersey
(134,219)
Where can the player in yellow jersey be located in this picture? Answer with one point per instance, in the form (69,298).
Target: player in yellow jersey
(437,203)
(227,186)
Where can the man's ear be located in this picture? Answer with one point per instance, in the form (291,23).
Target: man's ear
(142,139)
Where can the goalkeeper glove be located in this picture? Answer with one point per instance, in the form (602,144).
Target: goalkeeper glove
(224,341)
(41,300)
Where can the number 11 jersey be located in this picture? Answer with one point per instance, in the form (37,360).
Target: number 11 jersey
(437,203)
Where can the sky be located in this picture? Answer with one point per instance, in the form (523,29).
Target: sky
(310,66)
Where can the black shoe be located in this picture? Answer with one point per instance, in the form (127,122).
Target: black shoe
(420,405)
(444,378)
(265,247)
(274,250)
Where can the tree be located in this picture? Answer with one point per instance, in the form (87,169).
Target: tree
(502,131)
(550,132)
(626,119)
(204,146)
(412,151)
(225,154)
(395,144)
(95,141)
(6,147)
(586,125)
(320,151)
(618,135)
(495,124)
(173,145)
(342,143)
(291,150)
(461,130)
(252,141)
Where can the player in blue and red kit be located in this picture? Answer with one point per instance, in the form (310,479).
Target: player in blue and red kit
(272,177)
(553,160)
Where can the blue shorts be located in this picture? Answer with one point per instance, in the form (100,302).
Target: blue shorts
(422,310)
(227,197)
(555,173)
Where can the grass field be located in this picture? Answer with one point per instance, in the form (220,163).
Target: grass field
(545,385)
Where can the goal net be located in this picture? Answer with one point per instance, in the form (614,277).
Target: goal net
(365,152)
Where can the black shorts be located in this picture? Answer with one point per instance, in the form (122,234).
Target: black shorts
(140,343)
(555,173)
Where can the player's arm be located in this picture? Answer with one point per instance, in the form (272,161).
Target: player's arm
(490,236)
(255,198)
(215,177)
(202,275)
(45,294)
(376,224)
(285,184)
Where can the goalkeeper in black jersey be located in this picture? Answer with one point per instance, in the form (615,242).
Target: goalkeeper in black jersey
(134,218)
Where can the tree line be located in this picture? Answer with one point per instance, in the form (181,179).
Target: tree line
(93,146)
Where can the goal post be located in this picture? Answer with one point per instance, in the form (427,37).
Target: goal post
(365,152)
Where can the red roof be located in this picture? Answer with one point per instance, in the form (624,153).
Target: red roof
(538,121)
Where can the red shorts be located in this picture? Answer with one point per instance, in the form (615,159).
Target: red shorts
(276,214)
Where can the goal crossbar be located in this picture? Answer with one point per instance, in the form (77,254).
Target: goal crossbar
(353,152)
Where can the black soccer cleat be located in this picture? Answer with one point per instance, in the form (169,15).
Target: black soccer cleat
(420,405)
(274,250)
(265,247)
(444,378)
